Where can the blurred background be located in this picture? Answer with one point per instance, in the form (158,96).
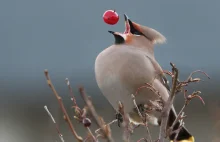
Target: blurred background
(66,36)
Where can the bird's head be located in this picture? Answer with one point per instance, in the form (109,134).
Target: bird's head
(137,34)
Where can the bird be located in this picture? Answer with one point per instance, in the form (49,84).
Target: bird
(129,63)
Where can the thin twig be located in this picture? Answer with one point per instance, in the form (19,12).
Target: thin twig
(91,134)
(180,127)
(179,115)
(94,114)
(113,121)
(142,139)
(187,101)
(57,128)
(71,92)
(126,122)
(143,119)
(196,72)
(66,116)
(150,87)
(168,105)
(80,113)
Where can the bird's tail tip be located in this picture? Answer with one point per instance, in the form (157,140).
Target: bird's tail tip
(183,136)
(190,139)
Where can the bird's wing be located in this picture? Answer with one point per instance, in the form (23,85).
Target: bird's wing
(162,79)
(160,73)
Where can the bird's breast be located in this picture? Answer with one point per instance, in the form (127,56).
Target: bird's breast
(120,71)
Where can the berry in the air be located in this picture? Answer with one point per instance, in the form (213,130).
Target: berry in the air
(110,17)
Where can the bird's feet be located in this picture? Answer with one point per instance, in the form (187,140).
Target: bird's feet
(119,117)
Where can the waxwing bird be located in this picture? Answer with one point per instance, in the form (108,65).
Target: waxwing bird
(130,63)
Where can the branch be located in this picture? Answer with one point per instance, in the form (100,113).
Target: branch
(142,139)
(143,119)
(187,101)
(57,128)
(150,87)
(168,105)
(81,113)
(113,121)
(66,116)
(181,111)
(190,76)
(126,122)
(180,127)
(105,130)
(71,92)
(91,135)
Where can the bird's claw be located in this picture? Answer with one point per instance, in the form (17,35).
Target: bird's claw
(119,117)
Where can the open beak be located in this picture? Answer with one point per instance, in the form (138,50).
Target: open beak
(119,37)
(116,33)
(127,24)
(132,27)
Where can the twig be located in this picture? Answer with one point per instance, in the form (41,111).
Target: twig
(180,127)
(95,115)
(179,114)
(142,139)
(168,105)
(127,131)
(113,121)
(80,113)
(66,116)
(91,134)
(168,73)
(71,92)
(196,72)
(143,119)
(187,101)
(57,128)
(190,80)
(150,87)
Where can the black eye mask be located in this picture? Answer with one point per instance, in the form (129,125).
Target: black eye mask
(133,30)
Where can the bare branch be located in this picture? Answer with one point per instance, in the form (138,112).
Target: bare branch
(91,134)
(142,139)
(190,76)
(71,92)
(113,121)
(156,105)
(168,105)
(143,119)
(126,122)
(57,128)
(66,116)
(150,87)
(105,131)
(81,114)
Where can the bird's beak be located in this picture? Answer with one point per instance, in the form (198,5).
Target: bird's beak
(127,25)
(115,33)
(119,37)
(131,27)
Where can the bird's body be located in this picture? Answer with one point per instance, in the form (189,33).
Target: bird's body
(121,70)
(129,64)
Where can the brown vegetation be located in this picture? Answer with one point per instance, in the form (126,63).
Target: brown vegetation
(104,131)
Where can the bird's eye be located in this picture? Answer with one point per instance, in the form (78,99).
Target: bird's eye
(136,33)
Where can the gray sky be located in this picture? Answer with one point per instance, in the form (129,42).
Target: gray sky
(66,36)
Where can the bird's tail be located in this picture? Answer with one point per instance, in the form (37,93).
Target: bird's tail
(184,134)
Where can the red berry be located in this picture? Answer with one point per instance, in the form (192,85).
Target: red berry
(110,17)
(87,122)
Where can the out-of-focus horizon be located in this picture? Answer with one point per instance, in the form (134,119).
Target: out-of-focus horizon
(66,36)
